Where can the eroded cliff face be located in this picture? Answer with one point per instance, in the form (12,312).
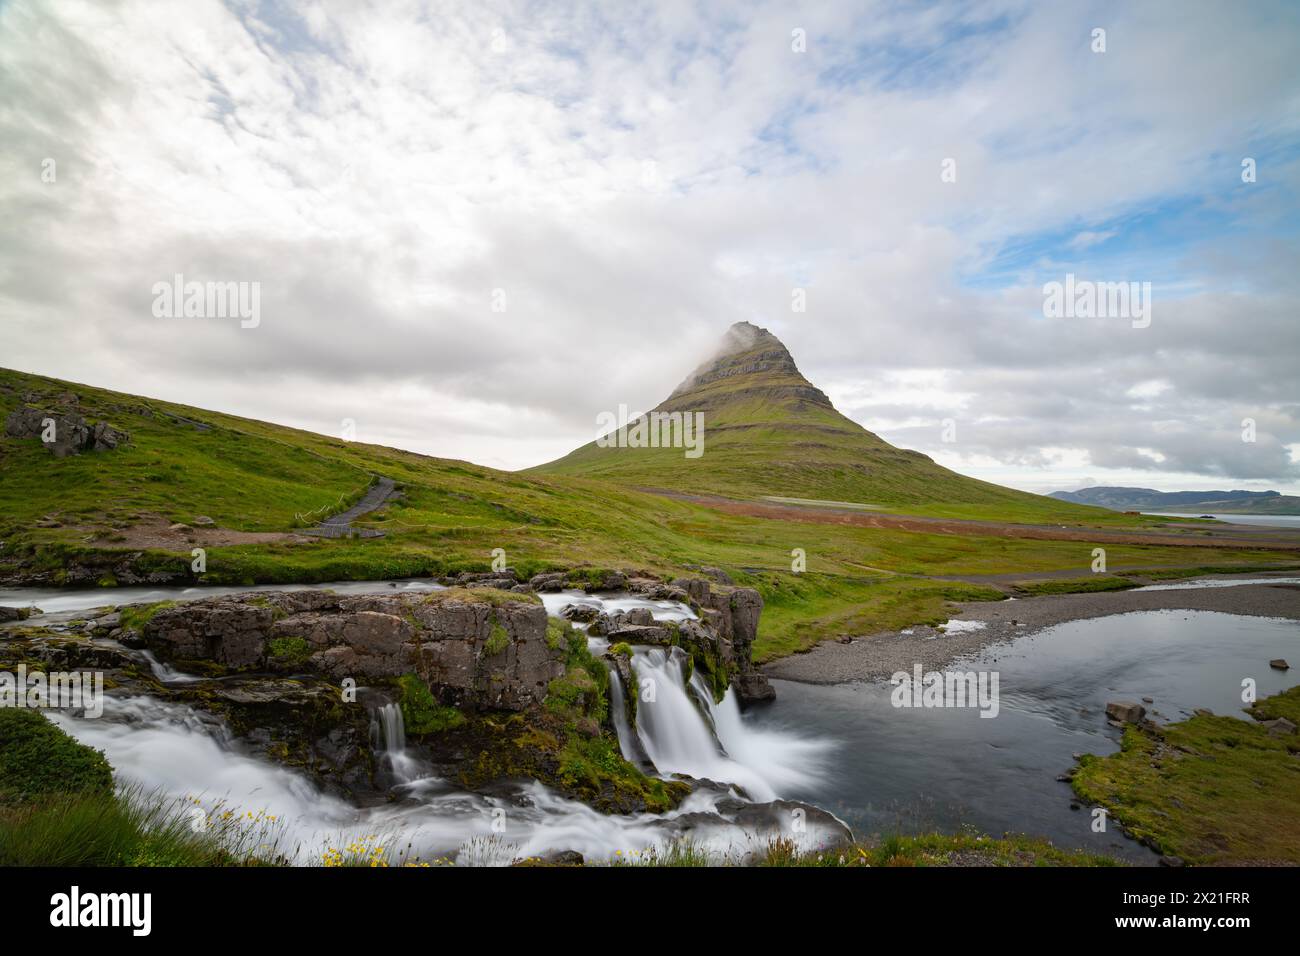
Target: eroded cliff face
(476,646)
(478,649)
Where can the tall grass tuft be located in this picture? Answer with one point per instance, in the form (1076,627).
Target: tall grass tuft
(132,828)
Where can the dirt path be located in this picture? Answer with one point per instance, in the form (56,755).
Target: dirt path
(340,525)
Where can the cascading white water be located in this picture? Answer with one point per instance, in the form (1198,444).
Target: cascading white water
(680,728)
(173,751)
(165,673)
(627,740)
(684,731)
(391,729)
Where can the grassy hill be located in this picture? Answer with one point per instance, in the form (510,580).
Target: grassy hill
(260,482)
(769,432)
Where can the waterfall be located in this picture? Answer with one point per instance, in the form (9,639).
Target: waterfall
(164,673)
(176,752)
(682,730)
(628,742)
(171,751)
(389,729)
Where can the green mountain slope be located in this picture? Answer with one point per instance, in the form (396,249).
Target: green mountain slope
(114,516)
(769,432)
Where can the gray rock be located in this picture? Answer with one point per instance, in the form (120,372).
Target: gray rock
(1279,726)
(696,588)
(580,612)
(1125,711)
(639,616)
(650,634)
(72,435)
(472,653)
(752,687)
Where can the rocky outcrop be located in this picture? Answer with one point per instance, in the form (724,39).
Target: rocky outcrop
(475,650)
(720,643)
(1125,711)
(735,613)
(63,434)
(95,568)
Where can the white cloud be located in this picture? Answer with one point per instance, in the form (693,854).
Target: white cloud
(636,178)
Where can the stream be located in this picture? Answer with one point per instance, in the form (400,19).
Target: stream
(845,748)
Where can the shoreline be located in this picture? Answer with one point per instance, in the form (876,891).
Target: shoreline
(878,656)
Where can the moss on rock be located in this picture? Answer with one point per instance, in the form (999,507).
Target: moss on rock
(421,712)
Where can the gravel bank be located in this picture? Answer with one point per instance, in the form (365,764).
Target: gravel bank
(880,655)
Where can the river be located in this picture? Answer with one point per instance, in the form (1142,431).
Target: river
(846,748)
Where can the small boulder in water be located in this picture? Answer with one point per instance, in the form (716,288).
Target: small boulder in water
(1279,664)
(547,582)
(1125,711)
(580,612)
(753,687)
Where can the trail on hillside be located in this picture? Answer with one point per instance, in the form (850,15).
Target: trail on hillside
(340,525)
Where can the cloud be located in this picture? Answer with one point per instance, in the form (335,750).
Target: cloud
(630,180)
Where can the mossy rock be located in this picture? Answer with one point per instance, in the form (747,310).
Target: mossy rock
(288,651)
(421,712)
(550,748)
(498,639)
(136,616)
(480,596)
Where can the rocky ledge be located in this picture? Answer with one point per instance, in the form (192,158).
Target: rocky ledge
(472,649)
(720,642)
(490,688)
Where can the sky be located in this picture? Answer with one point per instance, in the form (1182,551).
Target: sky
(474,227)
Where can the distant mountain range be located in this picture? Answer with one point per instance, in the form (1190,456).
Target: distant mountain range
(1184,502)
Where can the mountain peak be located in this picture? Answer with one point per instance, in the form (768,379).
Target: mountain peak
(767,431)
(749,360)
(743,336)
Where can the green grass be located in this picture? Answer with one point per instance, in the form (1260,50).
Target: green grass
(1210,789)
(38,759)
(257,477)
(1178,574)
(133,829)
(926,850)
(802,610)
(58,808)
(1075,585)
(136,616)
